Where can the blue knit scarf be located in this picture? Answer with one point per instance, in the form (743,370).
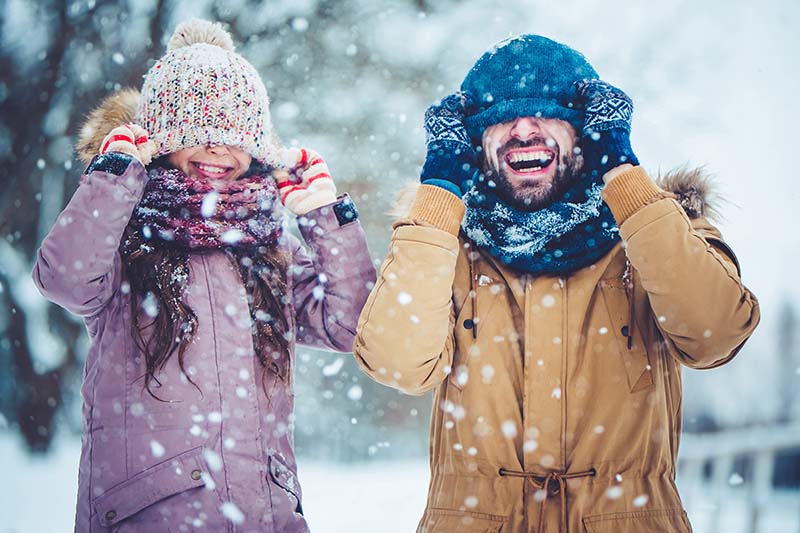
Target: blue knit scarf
(559,239)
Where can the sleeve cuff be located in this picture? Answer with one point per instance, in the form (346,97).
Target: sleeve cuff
(438,208)
(330,216)
(629,192)
(111,163)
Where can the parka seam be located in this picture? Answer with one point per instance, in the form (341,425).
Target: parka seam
(564,368)
(216,362)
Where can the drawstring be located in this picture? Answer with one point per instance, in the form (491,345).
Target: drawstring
(627,279)
(552,483)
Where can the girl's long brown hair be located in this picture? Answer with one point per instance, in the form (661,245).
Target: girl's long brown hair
(158,275)
(158,280)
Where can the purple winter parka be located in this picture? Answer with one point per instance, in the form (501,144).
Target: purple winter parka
(216,459)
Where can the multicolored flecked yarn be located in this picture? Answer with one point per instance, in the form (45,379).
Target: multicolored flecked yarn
(202,92)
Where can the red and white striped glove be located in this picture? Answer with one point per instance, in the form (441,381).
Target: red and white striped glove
(129,139)
(306,183)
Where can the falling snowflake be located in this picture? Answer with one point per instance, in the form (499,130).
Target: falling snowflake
(462,375)
(355,392)
(232,236)
(300,24)
(509,429)
(530,446)
(213,460)
(232,513)
(150,305)
(156,448)
(735,479)
(333,368)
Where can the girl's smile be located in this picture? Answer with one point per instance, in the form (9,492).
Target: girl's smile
(213,162)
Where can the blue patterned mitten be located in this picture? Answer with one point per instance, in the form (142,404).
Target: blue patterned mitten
(605,139)
(451,161)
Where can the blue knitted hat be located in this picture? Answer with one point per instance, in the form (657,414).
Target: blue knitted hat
(525,76)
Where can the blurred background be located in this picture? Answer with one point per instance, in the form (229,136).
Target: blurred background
(715,84)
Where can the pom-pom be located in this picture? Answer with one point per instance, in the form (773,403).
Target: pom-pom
(196,31)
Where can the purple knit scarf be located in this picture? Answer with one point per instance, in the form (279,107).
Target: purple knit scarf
(194,214)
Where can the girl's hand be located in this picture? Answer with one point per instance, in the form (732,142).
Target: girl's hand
(129,139)
(305,183)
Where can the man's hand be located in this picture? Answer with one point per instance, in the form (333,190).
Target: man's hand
(451,162)
(306,183)
(129,139)
(605,138)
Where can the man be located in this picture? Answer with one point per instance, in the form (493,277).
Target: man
(551,319)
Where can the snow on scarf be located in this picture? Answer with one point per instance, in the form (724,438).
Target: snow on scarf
(559,239)
(193,214)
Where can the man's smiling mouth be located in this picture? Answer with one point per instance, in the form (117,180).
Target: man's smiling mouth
(529,160)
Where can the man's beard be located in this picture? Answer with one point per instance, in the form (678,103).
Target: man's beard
(528,198)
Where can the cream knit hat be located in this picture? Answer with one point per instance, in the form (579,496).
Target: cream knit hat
(202,92)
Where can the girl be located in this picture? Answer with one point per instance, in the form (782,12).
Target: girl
(194,296)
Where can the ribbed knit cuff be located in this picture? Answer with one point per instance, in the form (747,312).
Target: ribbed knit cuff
(439,208)
(629,192)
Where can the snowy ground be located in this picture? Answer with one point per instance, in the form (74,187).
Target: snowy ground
(38,495)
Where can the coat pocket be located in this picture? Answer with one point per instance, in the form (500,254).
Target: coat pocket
(445,520)
(659,521)
(173,476)
(285,478)
(634,357)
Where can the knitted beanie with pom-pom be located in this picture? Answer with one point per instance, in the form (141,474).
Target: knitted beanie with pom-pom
(201,93)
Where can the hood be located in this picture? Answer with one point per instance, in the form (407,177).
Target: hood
(113,111)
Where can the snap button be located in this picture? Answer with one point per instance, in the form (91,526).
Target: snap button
(111,515)
(624,331)
(196,474)
(469,323)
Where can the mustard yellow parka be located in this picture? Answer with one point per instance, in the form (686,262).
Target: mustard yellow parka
(557,400)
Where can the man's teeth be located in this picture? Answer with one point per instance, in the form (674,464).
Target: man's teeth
(211,170)
(530,161)
(517,157)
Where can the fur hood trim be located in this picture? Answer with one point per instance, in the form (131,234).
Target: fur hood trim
(115,110)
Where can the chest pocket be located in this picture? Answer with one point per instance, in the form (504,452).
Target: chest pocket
(628,338)
(484,326)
